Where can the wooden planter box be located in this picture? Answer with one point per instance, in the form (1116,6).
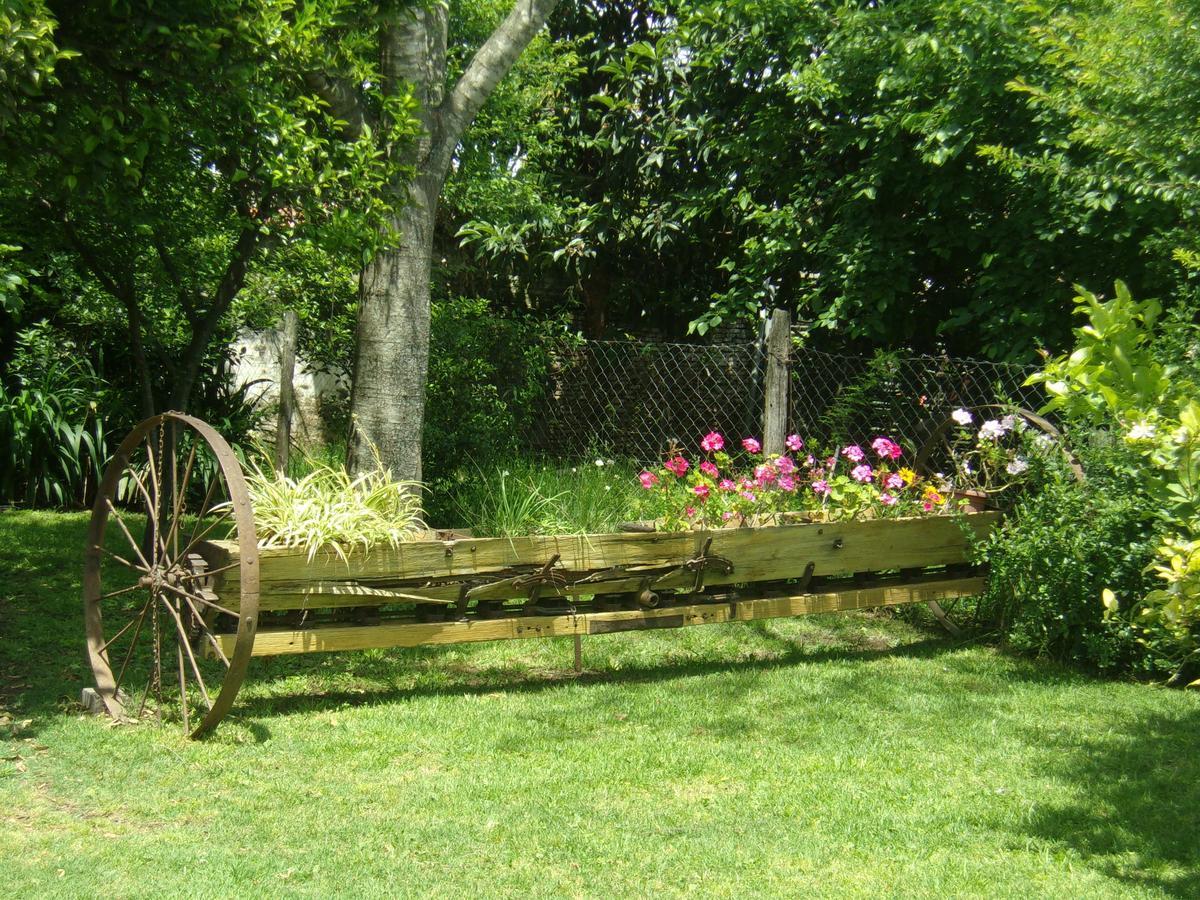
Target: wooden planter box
(477,589)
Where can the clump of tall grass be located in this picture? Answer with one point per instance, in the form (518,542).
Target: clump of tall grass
(527,497)
(329,508)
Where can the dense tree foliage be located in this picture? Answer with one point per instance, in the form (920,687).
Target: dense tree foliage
(928,174)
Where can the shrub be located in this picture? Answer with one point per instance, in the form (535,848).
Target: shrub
(1055,552)
(52,442)
(487,373)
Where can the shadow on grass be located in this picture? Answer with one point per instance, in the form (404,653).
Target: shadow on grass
(1138,813)
(469,680)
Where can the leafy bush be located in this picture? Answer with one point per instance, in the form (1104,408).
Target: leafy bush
(486,374)
(52,442)
(1055,552)
(1115,381)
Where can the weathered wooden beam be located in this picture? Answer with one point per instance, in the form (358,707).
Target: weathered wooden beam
(758,554)
(326,638)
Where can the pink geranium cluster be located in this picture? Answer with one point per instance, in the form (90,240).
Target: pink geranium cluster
(719,489)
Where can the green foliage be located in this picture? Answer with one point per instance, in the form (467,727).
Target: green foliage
(486,374)
(523,496)
(1115,380)
(52,441)
(328,509)
(148,197)
(1058,548)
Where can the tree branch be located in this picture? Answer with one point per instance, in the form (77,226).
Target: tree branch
(339,94)
(489,64)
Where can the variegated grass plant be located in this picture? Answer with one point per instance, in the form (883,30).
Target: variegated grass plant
(328,508)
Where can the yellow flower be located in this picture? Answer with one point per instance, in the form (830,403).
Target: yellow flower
(908,475)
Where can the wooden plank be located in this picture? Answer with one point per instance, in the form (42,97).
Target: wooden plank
(758,554)
(273,642)
(269,642)
(858,598)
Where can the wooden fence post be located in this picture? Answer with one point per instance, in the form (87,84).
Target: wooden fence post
(287,372)
(775,406)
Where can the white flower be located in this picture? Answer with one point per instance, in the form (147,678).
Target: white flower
(1010,422)
(609,462)
(992,430)
(600,464)
(1017,466)
(1142,431)
(961,416)
(1043,441)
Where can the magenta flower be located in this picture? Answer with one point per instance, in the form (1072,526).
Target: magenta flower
(886,448)
(701,491)
(648,480)
(787,483)
(887,499)
(854,453)
(708,469)
(821,486)
(785,465)
(794,443)
(712,442)
(690,512)
(893,482)
(751,445)
(810,460)
(764,474)
(749,496)
(863,473)
(727,515)
(726,485)
(677,465)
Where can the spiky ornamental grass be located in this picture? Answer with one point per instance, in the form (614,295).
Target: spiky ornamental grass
(327,508)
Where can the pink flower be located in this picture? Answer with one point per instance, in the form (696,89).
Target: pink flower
(893,481)
(886,448)
(787,483)
(785,465)
(749,496)
(751,445)
(648,480)
(794,443)
(690,512)
(712,442)
(726,485)
(677,465)
(701,491)
(764,474)
(708,469)
(863,473)
(927,506)
(810,460)
(727,515)
(821,486)
(887,499)
(854,453)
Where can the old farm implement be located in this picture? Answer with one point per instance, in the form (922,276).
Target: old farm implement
(178,596)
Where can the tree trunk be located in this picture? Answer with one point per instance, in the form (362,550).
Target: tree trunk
(392,352)
(387,402)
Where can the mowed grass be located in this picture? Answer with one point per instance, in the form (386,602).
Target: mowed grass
(859,755)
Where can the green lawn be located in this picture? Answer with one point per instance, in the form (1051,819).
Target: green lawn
(842,756)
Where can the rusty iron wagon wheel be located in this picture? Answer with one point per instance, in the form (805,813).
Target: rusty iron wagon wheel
(151,618)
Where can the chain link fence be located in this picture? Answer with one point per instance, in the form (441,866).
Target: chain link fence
(633,399)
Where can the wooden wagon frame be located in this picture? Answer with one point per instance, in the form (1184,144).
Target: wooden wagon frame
(174,589)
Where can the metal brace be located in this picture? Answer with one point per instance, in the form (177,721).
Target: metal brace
(535,581)
(704,561)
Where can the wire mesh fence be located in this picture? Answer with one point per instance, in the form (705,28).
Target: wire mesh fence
(633,399)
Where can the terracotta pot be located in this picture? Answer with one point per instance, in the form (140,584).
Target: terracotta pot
(976,501)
